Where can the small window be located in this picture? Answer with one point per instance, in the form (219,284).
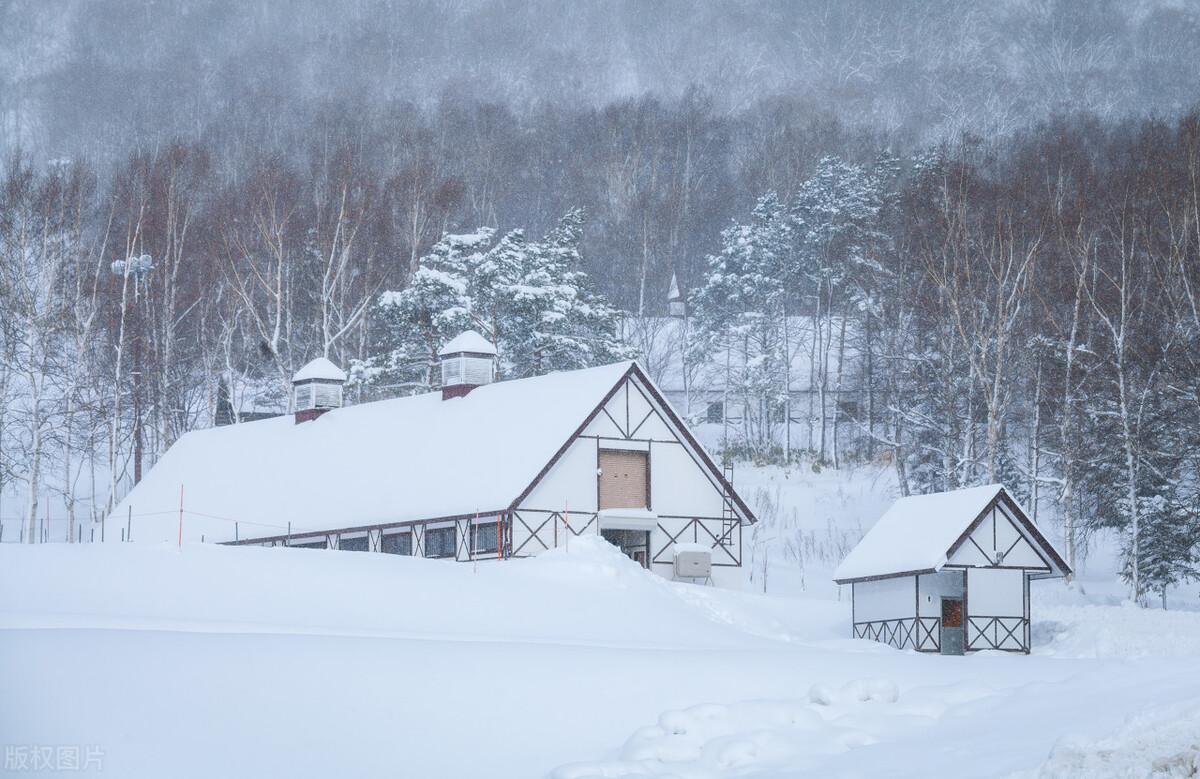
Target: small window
(308,544)
(715,413)
(485,539)
(396,543)
(452,371)
(327,395)
(440,542)
(358,544)
(304,397)
(477,370)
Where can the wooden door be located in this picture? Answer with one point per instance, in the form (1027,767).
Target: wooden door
(952,634)
(951,613)
(624,479)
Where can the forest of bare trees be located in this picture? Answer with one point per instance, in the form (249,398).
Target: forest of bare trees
(1023,313)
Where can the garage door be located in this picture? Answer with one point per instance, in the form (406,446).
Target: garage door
(623,479)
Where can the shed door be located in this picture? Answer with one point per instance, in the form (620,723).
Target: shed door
(952,626)
(624,479)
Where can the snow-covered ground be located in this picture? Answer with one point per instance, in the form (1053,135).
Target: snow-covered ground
(216,661)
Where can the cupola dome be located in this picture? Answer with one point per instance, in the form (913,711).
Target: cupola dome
(468,361)
(317,388)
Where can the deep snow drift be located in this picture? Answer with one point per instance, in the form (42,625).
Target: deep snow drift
(215,661)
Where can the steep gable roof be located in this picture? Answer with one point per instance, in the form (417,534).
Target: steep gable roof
(920,532)
(395,460)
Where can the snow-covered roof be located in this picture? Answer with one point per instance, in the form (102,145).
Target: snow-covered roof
(320,368)
(916,533)
(470,341)
(394,460)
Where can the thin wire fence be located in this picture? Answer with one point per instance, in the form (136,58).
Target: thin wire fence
(50,529)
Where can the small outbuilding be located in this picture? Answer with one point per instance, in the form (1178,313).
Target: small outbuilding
(949,572)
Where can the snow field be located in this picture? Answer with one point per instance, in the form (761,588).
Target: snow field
(712,740)
(216,661)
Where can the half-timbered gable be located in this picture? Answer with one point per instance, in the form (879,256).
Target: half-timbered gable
(949,573)
(481,470)
(634,474)
(999,540)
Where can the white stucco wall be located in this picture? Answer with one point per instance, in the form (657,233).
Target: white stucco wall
(934,587)
(995,592)
(571,482)
(885,599)
(679,486)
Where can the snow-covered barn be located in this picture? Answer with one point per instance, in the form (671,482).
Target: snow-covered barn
(949,572)
(481,470)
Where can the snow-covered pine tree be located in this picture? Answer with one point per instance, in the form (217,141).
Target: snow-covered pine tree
(559,322)
(416,321)
(1170,553)
(740,308)
(835,222)
(530,298)
(493,276)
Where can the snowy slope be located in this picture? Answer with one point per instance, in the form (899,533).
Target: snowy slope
(217,661)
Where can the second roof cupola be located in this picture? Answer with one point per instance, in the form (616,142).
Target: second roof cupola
(317,388)
(468,361)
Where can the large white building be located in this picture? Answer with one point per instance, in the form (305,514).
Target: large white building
(949,572)
(825,400)
(480,470)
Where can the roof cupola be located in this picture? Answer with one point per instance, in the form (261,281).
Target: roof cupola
(468,361)
(317,388)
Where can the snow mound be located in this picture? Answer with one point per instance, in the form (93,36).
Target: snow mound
(880,690)
(717,740)
(1159,743)
(1125,631)
(589,593)
(585,559)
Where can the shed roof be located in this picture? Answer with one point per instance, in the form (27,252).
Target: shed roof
(918,533)
(320,368)
(469,341)
(394,460)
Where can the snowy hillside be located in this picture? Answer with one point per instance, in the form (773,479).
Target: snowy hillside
(216,661)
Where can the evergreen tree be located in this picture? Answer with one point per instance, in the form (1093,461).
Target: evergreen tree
(559,322)
(418,320)
(529,298)
(740,308)
(835,223)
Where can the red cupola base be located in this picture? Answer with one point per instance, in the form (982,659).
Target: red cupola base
(457,390)
(309,414)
